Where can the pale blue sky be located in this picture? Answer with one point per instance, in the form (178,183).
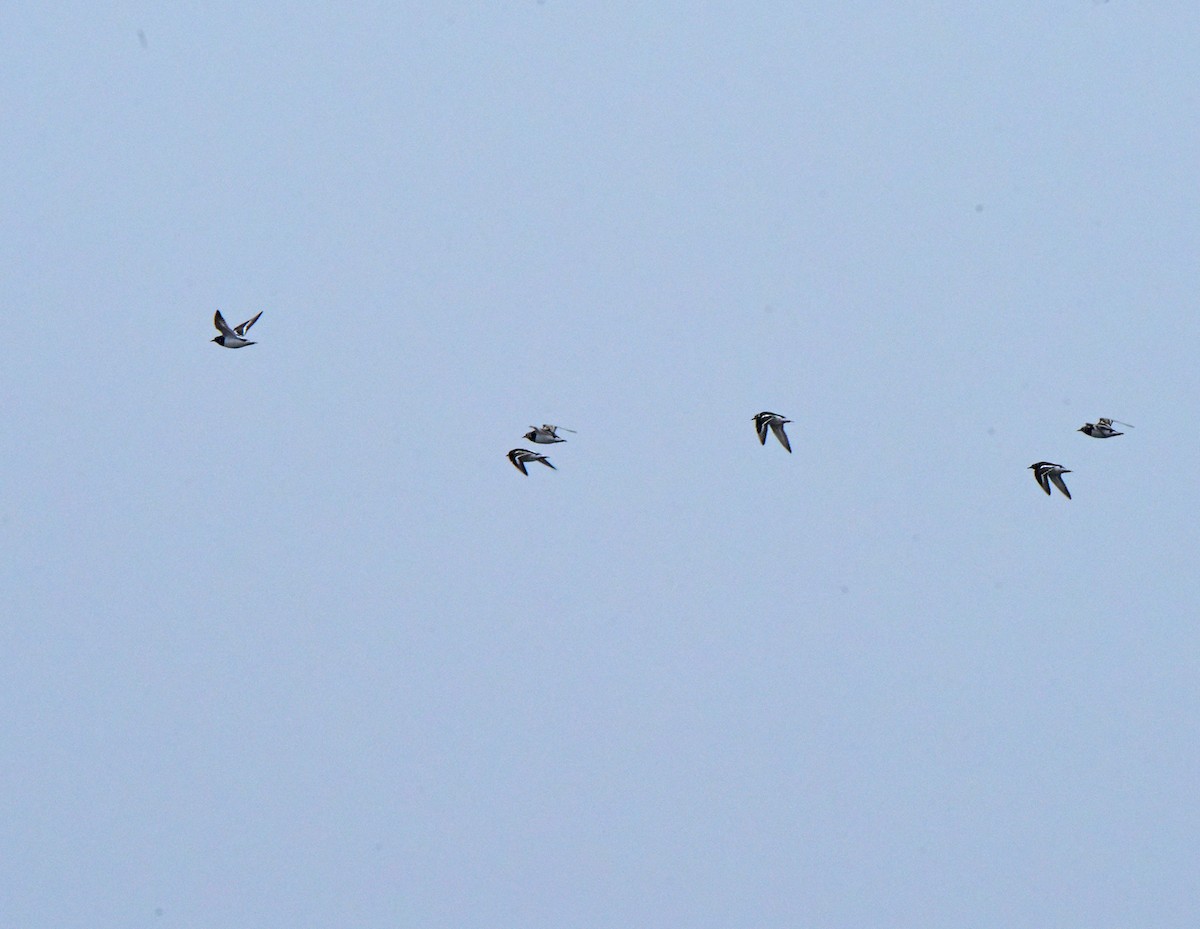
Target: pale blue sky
(287,642)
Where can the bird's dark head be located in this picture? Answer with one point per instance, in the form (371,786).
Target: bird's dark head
(1082,428)
(217,339)
(529,435)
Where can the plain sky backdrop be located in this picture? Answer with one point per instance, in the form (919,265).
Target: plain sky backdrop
(288,644)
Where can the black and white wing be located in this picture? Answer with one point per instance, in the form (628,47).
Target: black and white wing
(1039,475)
(222,326)
(777,428)
(241,330)
(760,426)
(1058,482)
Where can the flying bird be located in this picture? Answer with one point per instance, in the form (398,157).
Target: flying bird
(233,338)
(1102,428)
(773,421)
(1046,471)
(545,434)
(518,456)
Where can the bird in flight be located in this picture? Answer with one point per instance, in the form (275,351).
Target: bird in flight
(236,337)
(1102,428)
(773,421)
(518,456)
(1045,471)
(545,434)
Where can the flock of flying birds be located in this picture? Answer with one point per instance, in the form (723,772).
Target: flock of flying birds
(541,435)
(1047,472)
(546,434)
(1044,472)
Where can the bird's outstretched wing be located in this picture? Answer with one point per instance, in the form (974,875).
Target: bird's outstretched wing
(222,326)
(241,330)
(1058,482)
(777,428)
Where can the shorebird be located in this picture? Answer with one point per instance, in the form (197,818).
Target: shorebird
(1046,471)
(518,456)
(773,421)
(545,434)
(1102,428)
(233,338)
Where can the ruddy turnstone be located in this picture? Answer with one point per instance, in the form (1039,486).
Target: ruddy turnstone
(1102,428)
(773,421)
(233,338)
(545,434)
(1045,471)
(518,456)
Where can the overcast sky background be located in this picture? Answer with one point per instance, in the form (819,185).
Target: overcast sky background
(287,642)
